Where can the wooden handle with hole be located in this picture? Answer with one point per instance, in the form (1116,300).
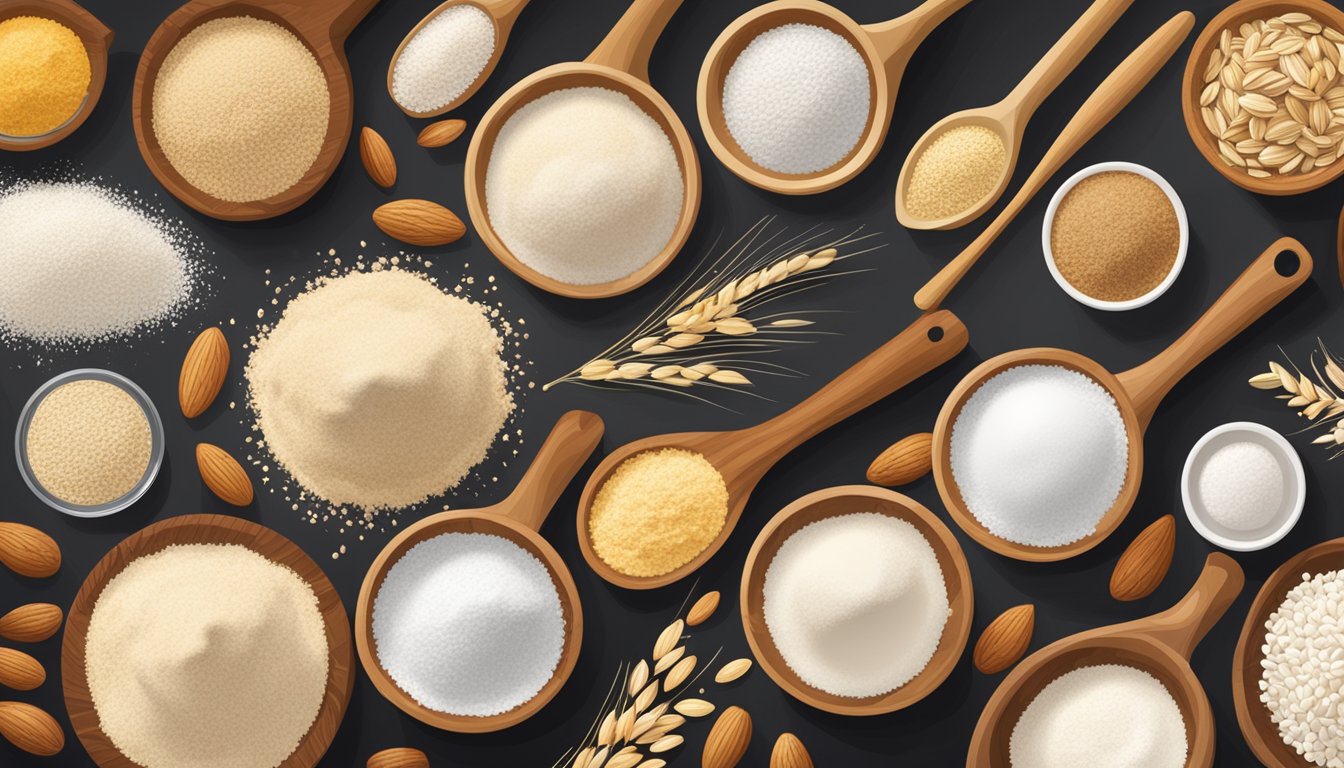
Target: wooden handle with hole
(559,459)
(629,44)
(1064,56)
(1183,625)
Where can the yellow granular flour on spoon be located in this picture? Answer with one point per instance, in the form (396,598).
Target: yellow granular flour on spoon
(44,75)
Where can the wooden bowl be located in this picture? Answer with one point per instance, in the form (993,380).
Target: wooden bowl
(1160,645)
(845,500)
(323,26)
(1192,83)
(95,36)
(1261,734)
(207,529)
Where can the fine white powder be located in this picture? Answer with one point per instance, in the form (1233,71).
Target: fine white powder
(1105,716)
(796,99)
(856,604)
(469,624)
(81,263)
(1241,486)
(1302,675)
(583,186)
(443,59)
(1040,453)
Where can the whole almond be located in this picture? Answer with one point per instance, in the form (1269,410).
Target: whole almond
(20,671)
(1144,563)
(904,462)
(399,757)
(1005,639)
(377,158)
(728,739)
(28,551)
(441,134)
(223,475)
(30,729)
(703,609)
(789,752)
(31,623)
(419,222)
(203,372)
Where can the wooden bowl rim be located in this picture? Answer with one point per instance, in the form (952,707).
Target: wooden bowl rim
(207,529)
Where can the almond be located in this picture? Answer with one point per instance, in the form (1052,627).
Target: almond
(1145,562)
(20,671)
(703,609)
(31,623)
(399,757)
(30,729)
(728,739)
(1005,639)
(223,475)
(419,222)
(203,372)
(904,462)
(789,752)
(441,134)
(28,551)
(377,158)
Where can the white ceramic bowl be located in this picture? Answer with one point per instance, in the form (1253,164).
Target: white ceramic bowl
(1294,485)
(1160,288)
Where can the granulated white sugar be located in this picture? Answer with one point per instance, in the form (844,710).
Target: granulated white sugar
(1039,454)
(583,186)
(379,390)
(1104,716)
(206,656)
(82,263)
(796,99)
(469,624)
(1241,486)
(1302,674)
(856,604)
(444,58)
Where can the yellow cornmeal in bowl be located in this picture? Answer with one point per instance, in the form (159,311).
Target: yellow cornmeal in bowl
(657,512)
(44,75)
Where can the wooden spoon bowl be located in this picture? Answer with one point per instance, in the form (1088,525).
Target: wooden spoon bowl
(207,529)
(620,63)
(845,500)
(886,47)
(1138,392)
(743,456)
(1160,645)
(517,519)
(97,39)
(1261,734)
(322,26)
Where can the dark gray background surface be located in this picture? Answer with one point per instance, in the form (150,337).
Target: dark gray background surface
(1009,302)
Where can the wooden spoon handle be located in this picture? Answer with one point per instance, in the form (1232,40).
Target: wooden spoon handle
(1183,625)
(1254,293)
(346,16)
(505,12)
(31,623)
(1116,91)
(28,551)
(31,729)
(628,45)
(1064,56)
(896,40)
(559,459)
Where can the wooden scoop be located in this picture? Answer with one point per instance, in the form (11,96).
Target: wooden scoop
(1114,93)
(323,26)
(1269,279)
(95,36)
(619,63)
(502,12)
(31,729)
(516,518)
(1009,117)
(28,551)
(1160,645)
(744,456)
(886,47)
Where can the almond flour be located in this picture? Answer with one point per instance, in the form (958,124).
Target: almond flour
(88,443)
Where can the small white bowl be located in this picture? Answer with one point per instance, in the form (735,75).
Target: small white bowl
(1294,483)
(1160,288)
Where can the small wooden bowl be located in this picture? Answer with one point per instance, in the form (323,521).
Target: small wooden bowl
(845,500)
(1261,734)
(323,26)
(207,529)
(1192,83)
(95,36)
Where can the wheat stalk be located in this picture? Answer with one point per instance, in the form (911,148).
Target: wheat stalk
(1318,399)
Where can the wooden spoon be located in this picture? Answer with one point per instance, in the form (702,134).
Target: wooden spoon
(886,47)
(502,12)
(620,63)
(744,456)
(517,518)
(1160,645)
(1009,117)
(31,623)
(845,500)
(97,39)
(28,551)
(322,25)
(1114,93)
(20,671)
(31,729)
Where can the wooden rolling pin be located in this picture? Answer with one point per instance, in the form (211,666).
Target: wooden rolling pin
(28,551)
(30,729)
(31,623)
